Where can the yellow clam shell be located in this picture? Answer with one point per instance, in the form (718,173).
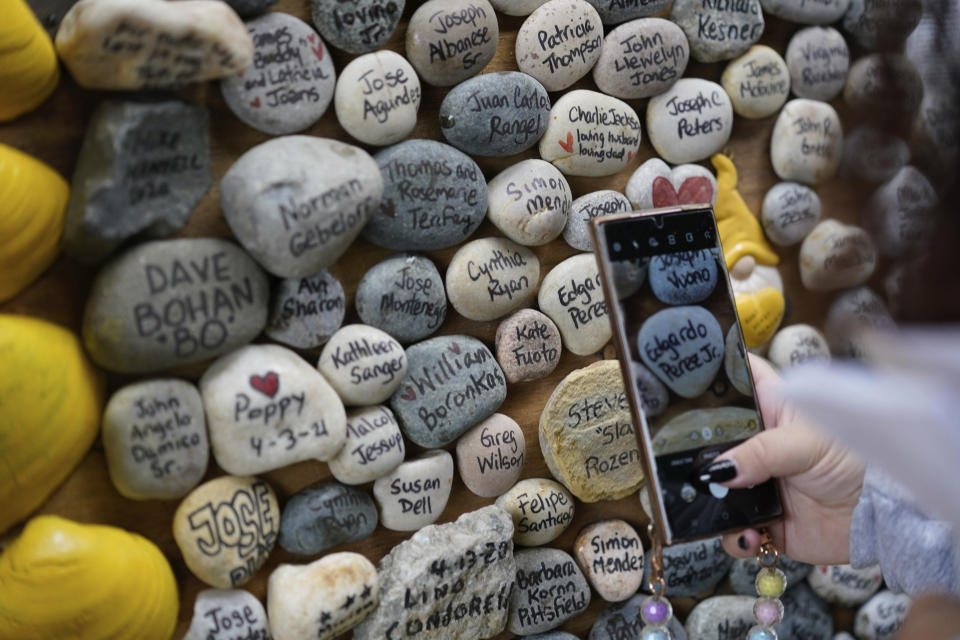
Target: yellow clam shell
(50,402)
(28,62)
(33,205)
(62,579)
(760,314)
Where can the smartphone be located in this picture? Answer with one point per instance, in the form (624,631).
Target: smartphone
(675,323)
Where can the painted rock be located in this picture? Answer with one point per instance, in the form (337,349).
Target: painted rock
(743,574)
(615,12)
(760,314)
(818,59)
(490,455)
(488,278)
(758,82)
(378,96)
(449,41)
(323,599)
(404,296)
(622,621)
(683,346)
(373,449)
(804,615)
(690,121)
(64,579)
(220,614)
(132,44)
(453,382)
(444,568)
(267,408)
(807,142)
(358,27)
(654,184)
(901,213)
(529,202)
(29,62)
(882,616)
(699,427)
(434,197)
(305,312)
(325,515)
(595,204)
(885,87)
(735,363)
(718,31)
(173,302)
(330,190)
(654,397)
(226,528)
(790,212)
(842,584)
(879,25)
(142,169)
(290,83)
(496,114)
(559,43)
(553,635)
(540,574)
(798,344)
(684,277)
(516,7)
(415,493)
(823,12)
(836,256)
(935,127)
(590,134)
(721,617)
(363,364)
(873,155)
(527,346)
(587,437)
(572,297)
(155,439)
(610,553)
(851,313)
(541,510)
(641,58)
(50,403)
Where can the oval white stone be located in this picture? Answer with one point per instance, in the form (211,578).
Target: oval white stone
(364,364)
(690,121)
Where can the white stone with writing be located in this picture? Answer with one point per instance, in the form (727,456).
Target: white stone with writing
(516,7)
(842,584)
(901,213)
(595,204)
(358,26)
(683,346)
(873,155)
(721,618)
(290,83)
(305,312)
(227,614)
(559,42)
(155,438)
(541,509)
(807,142)
(449,41)
(790,211)
(298,216)
(718,30)
(610,553)
(363,364)
(529,202)
(819,12)
(490,455)
(836,256)
(415,493)
(573,298)
(654,184)
(404,296)
(796,345)
(882,616)
(527,346)
(850,315)
(490,277)
(684,277)
(550,590)
(590,134)
(377,98)
(818,59)
(690,121)
(758,82)
(267,408)
(641,58)
(374,446)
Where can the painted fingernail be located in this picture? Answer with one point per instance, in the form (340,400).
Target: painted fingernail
(742,543)
(719,471)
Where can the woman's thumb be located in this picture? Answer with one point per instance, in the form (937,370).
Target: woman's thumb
(786,451)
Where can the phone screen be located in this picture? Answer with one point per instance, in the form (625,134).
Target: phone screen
(676,329)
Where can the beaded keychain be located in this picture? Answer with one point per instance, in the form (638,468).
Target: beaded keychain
(656,611)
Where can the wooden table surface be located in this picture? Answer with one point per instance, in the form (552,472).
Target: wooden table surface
(54,134)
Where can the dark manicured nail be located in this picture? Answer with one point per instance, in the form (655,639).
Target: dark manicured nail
(720,471)
(742,543)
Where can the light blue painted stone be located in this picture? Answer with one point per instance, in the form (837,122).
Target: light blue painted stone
(685,277)
(622,621)
(691,568)
(325,515)
(403,295)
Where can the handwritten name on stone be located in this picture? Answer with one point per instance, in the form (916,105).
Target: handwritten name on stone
(572,296)
(559,44)
(325,515)
(641,58)
(305,312)
(758,82)
(489,278)
(527,345)
(719,29)
(449,41)
(818,59)
(807,142)
(836,256)
(683,346)
(228,614)
(690,121)
(550,589)
(359,26)
(541,510)
(490,455)
(610,553)
(378,97)
(415,493)
(529,202)
(404,296)
(790,211)
(363,364)
(374,446)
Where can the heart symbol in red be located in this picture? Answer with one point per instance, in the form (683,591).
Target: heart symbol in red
(318,51)
(568,145)
(824,569)
(454,347)
(408,394)
(255,103)
(696,190)
(312,37)
(267,384)
(629,156)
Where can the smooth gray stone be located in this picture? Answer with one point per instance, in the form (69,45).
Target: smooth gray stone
(850,313)
(879,24)
(719,32)
(790,211)
(722,618)
(596,204)
(403,295)
(142,169)
(617,11)
(691,568)
(885,87)
(882,616)
(743,574)
(820,12)
(685,277)
(805,615)
(901,213)
(495,114)
(452,383)
(325,515)
(434,197)
(250,8)
(305,312)
(359,26)
(818,59)
(174,302)
(622,621)
(550,590)
(873,155)
(683,346)
(553,635)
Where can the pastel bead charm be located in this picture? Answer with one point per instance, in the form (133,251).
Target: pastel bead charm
(656,611)
(655,633)
(761,633)
(768,612)
(771,582)
(28,63)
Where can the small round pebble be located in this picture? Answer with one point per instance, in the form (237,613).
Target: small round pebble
(842,584)
(415,493)
(490,455)
(790,211)
(718,30)
(836,256)
(541,509)
(527,346)
(305,312)
(690,121)
(325,515)
(571,295)
(758,82)
(798,344)
(377,98)
(807,142)
(364,364)
(490,277)
(357,26)
(818,59)
(595,204)
(373,449)
(529,202)
(404,296)
(449,41)
(641,58)
(559,42)
(882,616)
(223,614)
(610,553)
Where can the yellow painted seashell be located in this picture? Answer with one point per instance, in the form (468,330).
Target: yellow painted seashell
(28,62)
(33,206)
(50,402)
(740,231)
(760,314)
(62,579)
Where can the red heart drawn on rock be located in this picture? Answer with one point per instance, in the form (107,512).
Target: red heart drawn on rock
(696,190)
(568,145)
(629,156)
(824,569)
(267,384)
(255,103)
(663,193)
(318,51)
(409,394)
(454,347)
(312,37)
